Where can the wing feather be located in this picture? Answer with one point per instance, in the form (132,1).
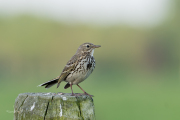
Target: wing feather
(70,66)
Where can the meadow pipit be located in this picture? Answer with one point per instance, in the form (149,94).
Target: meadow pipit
(77,69)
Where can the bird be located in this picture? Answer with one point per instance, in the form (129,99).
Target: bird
(77,69)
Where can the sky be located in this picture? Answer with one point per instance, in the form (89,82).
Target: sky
(101,12)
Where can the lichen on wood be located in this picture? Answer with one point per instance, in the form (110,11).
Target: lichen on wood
(51,106)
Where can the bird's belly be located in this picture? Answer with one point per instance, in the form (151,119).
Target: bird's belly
(76,78)
(81,78)
(80,75)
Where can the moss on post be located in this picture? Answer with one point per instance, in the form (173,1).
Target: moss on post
(51,106)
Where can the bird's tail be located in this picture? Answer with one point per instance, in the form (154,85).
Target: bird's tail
(50,83)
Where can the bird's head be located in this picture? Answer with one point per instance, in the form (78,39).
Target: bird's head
(87,48)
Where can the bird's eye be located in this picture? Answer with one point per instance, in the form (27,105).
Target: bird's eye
(87,46)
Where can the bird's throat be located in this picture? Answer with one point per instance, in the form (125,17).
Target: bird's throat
(92,52)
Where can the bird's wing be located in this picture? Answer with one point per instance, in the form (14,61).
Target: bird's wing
(67,69)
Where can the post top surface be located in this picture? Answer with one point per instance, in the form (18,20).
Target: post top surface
(56,95)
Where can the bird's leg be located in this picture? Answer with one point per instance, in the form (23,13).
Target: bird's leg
(85,92)
(72,90)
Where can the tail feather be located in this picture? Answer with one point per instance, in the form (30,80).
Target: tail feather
(67,86)
(50,83)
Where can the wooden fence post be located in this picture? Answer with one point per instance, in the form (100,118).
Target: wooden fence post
(51,106)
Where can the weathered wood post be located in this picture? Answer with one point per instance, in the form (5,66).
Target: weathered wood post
(51,106)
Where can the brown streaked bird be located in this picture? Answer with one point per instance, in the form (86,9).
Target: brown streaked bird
(77,69)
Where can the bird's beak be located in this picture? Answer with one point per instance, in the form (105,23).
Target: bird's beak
(96,46)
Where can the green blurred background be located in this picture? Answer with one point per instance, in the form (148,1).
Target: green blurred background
(137,68)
